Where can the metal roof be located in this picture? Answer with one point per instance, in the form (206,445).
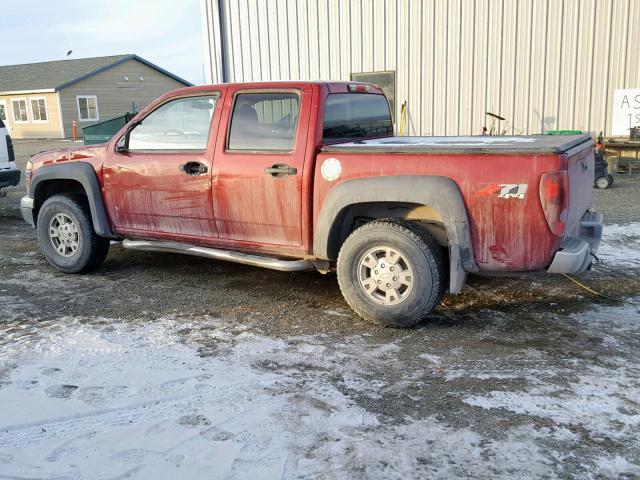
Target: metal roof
(62,73)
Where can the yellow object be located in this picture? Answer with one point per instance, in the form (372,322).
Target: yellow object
(403,116)
(581,285)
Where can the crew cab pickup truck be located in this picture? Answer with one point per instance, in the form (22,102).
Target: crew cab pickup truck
(303,175)
(9,174)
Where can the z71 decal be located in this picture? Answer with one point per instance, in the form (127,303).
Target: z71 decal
(503,190)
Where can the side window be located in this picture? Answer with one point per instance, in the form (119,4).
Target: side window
(181,124)
(264,121)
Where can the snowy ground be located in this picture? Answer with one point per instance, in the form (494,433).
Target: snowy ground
(111,401)
(109,376)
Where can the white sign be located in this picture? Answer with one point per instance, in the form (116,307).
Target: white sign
(626,111)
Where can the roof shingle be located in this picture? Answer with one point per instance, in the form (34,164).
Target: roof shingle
(52,75)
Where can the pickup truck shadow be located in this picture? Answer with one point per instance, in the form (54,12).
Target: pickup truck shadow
(223,288)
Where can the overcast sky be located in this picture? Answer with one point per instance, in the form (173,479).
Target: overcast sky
(165,32)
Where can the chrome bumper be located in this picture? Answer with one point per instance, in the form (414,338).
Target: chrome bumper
(26,208)
(576,254)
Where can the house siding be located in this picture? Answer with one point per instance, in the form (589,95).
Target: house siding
(31,129)
(115,95)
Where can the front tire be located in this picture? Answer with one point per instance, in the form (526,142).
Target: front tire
(391,272)
(66,235)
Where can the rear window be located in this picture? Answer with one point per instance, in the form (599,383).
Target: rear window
(349,116)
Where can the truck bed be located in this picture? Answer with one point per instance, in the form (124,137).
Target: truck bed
(483,144)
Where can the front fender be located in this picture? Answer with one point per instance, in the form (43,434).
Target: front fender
(83,173)
(440,193)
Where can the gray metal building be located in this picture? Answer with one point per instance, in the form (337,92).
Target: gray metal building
(541,64)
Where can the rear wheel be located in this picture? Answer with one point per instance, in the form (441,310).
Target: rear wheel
(602,182)
(391,272)
(66,236)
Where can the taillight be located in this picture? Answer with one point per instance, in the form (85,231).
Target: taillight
(12,155)
(359,87)
(554,197)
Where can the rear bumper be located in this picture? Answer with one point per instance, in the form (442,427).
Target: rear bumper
(9,178)
(26,208)
(576,254)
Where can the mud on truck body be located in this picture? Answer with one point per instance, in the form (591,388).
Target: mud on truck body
(303,175)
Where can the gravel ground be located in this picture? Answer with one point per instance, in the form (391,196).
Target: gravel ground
(207,369)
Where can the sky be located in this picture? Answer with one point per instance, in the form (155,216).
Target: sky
(165,32)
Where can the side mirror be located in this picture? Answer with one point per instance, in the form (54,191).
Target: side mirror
(121,146)
(123,143)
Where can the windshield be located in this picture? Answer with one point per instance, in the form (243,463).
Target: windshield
(350,116)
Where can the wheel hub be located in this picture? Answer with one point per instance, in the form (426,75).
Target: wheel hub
(385,275)
(64,235)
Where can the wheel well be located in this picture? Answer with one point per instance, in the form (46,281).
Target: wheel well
(48,188)
(358,214)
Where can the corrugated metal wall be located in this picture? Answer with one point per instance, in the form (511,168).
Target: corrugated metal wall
(542,64)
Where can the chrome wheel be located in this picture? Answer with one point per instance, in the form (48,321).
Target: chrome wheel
(385,275)
(64,235)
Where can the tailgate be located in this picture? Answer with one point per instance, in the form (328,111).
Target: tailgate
(580,166)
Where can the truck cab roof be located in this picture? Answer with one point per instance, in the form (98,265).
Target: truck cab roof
(332,86)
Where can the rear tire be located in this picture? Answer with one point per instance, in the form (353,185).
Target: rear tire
(391,272)
(66,235)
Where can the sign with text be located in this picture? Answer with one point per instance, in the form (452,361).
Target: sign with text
(626,111)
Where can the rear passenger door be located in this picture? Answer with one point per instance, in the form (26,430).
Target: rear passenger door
(257,170)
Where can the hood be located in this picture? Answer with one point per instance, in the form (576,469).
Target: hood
(93,154)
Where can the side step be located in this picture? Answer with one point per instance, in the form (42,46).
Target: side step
(229,256)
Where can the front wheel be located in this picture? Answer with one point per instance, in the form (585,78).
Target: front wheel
(66,235)
(391,272)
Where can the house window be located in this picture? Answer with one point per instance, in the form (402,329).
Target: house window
(88,108)
(20,110)
(39,110)
(385,80)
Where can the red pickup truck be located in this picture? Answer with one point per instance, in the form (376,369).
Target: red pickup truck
(302,175)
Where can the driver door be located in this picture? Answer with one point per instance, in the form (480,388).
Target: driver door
(158,178)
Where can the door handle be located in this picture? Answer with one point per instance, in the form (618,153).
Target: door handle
(280,170)
(194,168)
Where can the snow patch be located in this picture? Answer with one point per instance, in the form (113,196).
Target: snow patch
(620,245)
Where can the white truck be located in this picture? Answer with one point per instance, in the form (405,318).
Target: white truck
(9,174)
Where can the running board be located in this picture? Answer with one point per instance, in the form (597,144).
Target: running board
(229,256)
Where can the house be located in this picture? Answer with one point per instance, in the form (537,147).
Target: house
(42,100)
